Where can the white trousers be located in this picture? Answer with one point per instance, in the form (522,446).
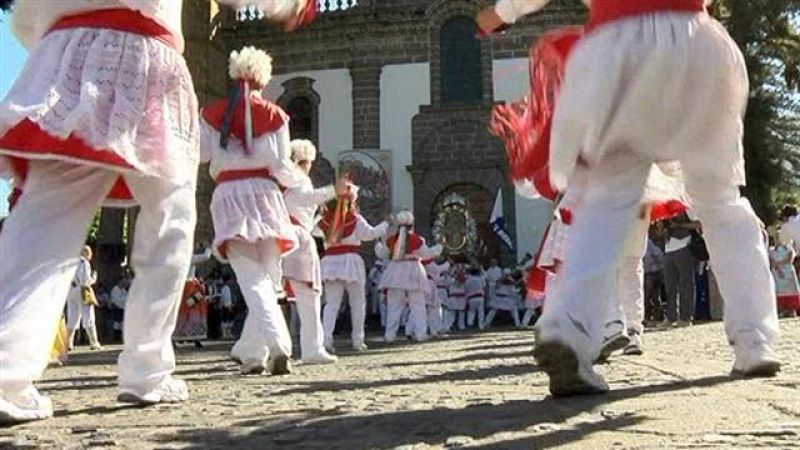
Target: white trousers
(334,292)
(434,313)
(42,239)
(606,219)
(307,304)
(526,319)
(451,316)
(397,300)
(265,331)
(475,307)
(78,313)
(629,310)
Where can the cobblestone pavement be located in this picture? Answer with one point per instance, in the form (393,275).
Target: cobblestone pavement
(478,390)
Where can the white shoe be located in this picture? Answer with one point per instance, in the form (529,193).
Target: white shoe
(170,390)
(635,345)
(360,347)
(755,358)
(279,365)
(24,406)
(562,350)
(322,357)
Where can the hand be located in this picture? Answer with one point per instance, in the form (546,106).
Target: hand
(293,23)
(489,21)
(342,187)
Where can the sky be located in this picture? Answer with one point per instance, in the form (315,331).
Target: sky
(12,58)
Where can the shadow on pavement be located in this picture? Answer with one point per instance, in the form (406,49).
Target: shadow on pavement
(432,426)
(458,375)
(467,358)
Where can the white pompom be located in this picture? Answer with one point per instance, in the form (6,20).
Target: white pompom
(250,63)
(405,218)
(303,150)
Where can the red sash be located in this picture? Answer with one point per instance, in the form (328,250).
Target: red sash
(244,174)
(120,19)
(343,250)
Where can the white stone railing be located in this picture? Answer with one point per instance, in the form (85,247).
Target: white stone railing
(325,6)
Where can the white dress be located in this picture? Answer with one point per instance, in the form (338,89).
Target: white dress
(407,273)
(506,297)
(349,267)
(435,273)
(302,202)
(251,209)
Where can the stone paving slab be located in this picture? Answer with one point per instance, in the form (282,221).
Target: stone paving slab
(475,391)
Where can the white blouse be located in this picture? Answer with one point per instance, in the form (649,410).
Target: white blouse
(302,202)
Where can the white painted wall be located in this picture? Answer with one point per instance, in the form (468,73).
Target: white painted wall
(404,87)
(335,88)
(532,216)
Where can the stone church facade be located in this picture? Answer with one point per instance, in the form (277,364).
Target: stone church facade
(399,92)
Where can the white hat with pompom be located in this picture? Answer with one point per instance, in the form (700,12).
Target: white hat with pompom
(251,64)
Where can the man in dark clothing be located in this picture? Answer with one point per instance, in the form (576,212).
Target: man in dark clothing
(679,270)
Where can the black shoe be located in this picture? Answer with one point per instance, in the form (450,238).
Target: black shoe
(279,365)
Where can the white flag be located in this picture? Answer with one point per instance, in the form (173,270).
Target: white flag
(498,222)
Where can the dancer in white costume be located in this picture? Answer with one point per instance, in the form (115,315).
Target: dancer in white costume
(690,112)
(302,267)
(105,100)
(79,312)
(343,267)
(404,280)
(475,291)
(455,312)
(506,298)
(246,140)
(435,272)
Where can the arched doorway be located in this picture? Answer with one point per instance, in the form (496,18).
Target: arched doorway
(460,222)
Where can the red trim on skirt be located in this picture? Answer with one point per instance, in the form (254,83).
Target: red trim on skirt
(789,302)
(27,140)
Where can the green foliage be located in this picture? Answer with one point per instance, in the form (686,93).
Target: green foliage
(768,32)
(94,229)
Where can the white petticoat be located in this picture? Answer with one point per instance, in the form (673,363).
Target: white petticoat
(117,91)
(251,210)
(504,303)
(303,264)
(665,86)
(348,267)
(408,275)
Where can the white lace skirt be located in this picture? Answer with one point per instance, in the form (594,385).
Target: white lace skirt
(251,210)
(505,303)
(128,99)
